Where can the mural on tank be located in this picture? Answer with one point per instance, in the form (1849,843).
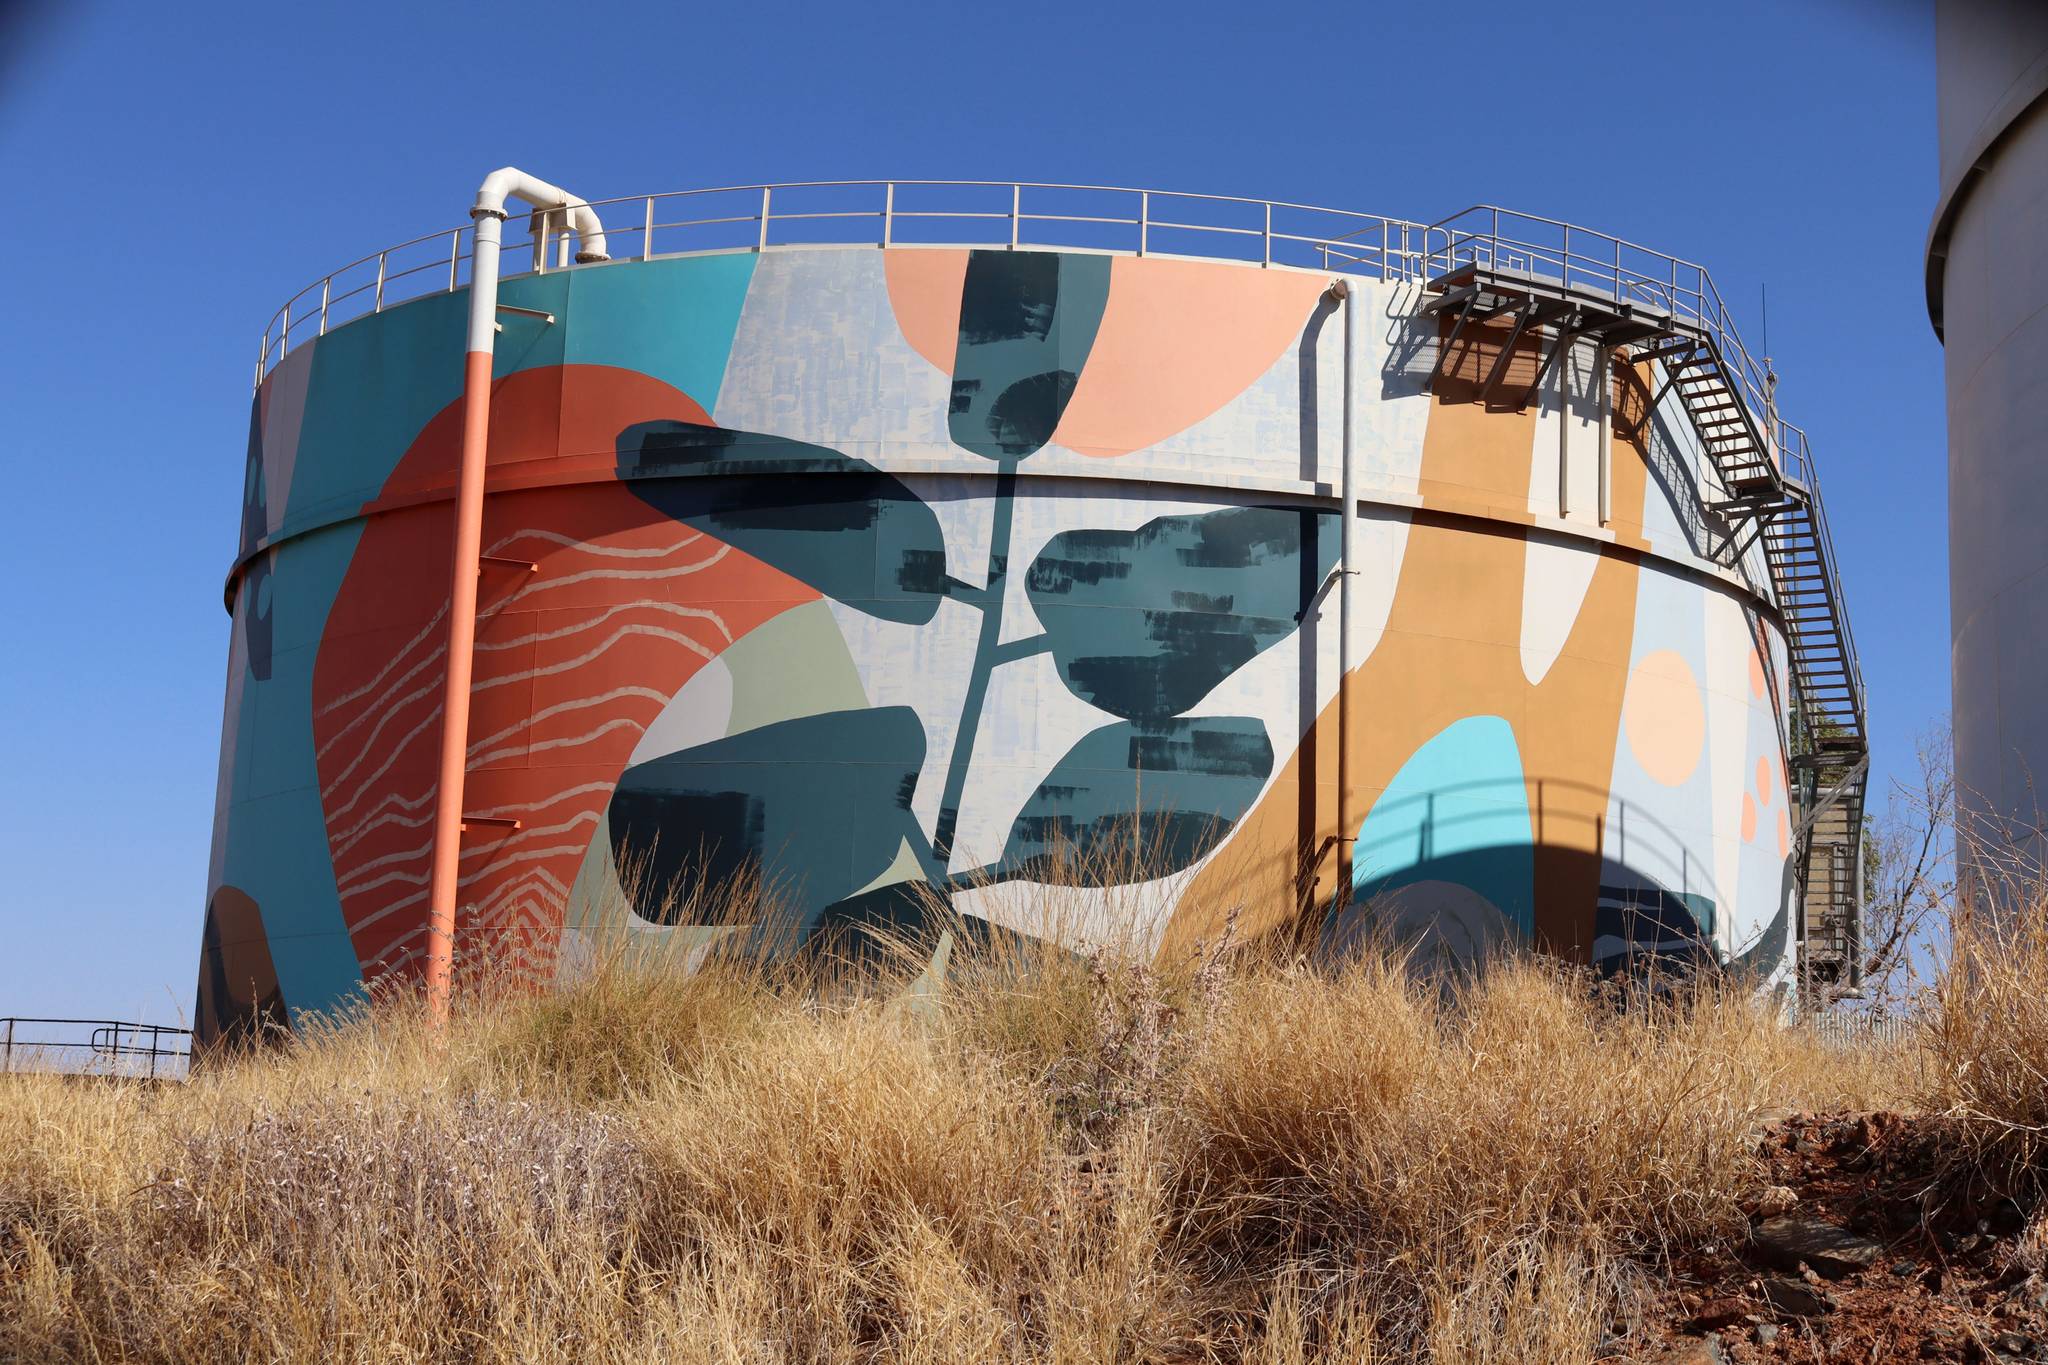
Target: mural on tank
(1004,578)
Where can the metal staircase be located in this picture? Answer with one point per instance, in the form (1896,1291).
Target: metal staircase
(1556,286)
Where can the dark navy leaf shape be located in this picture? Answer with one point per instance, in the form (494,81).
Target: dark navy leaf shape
(815,808)
(1145,623)
(834,522)
(1137,801)
(1027,322)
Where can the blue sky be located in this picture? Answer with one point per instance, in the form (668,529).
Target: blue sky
(179,170)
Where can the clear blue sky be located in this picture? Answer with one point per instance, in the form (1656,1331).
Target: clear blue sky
(178,170)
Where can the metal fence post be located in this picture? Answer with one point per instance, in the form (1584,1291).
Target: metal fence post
(647,233)
(454,256)
(766,192)
(1266,256)
(888,212)
(326,289)
(378,307)
(1016,213)
(1144,218)
(10,1046)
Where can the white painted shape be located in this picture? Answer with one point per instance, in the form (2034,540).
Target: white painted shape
(1393,411)
(1380,544)
(923,667)
(817,356)
(1555,577)
(1729,760)
(697,714)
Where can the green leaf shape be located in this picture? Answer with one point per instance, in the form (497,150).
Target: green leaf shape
(1146,623)
(1027,322)
(816,808)
(1130,802)
(834,522)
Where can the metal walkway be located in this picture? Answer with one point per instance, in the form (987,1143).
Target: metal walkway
(1536,282)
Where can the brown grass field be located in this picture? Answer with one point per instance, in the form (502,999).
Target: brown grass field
(1054,1158)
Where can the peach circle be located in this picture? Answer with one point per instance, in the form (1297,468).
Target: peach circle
(1765,788)
(1756,675)
(1748,818)
(1664,718)
(1784,834)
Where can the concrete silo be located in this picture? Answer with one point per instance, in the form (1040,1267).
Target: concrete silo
(1987,292)
(892,540)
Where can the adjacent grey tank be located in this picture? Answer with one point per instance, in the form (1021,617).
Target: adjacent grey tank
(1987,292)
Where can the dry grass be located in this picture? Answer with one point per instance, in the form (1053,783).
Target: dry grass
(1060,1158)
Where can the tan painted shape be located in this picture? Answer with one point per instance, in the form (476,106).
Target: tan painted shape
(1451,650)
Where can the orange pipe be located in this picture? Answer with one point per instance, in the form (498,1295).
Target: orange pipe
(462,587)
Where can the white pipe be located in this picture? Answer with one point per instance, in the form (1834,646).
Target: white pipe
(1346,292)
(511,183)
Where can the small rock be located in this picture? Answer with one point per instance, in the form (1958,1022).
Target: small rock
(2012,1343)
(1832,1250)
(1766,1333)
(1705,1351)
(1775,1200)
(1793,1299)
(1717,1313)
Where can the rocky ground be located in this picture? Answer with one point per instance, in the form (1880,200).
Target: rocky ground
(1861,1249)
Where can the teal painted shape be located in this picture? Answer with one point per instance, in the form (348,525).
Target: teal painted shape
(1027,322)
(378,381)
(674,320)
(1457,811)
(277,832)
(1146,623)
(1132,801)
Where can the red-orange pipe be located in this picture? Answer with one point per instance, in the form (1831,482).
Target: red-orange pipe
(462,583)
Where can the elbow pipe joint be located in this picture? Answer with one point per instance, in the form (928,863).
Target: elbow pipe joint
(511,183)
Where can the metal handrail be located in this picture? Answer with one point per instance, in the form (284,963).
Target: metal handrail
(1266,232)
(105,1040)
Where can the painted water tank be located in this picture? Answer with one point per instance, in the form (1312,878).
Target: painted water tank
(939,568)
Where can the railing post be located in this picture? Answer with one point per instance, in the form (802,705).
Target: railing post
(1016,212)
(766,192)
(284,331)
(326,290)
(647,233)
(1144,218)
(1384,230)
(888,212)
(454,256)
(1266,253)
(10,1046)
(378,306)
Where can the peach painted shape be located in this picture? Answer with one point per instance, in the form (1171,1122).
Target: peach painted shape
(1663,715)
(1748,818)
(924,291)
(1179,339)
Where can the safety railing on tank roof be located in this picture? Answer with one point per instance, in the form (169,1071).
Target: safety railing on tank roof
(889,213)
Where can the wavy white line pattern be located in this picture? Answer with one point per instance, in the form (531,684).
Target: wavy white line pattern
(573,661)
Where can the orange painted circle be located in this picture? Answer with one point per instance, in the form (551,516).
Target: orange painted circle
(1766,789)
(1664,718)
(1748,818)
(1756,675)
(1784,834)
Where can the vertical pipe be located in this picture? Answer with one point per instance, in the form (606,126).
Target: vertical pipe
(463,570)
(1144,219)
(1347,292)
(1016,212)
(1266,256)
(1564,422)
(888,213)
(1603,375)
(647,233)
(766,191)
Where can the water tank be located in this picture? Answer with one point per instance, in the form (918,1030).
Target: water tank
(1987,290)
(994,551)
